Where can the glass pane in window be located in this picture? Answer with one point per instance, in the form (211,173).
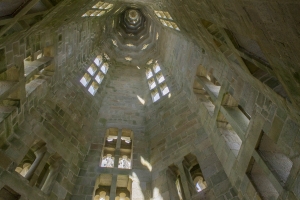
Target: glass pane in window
(151,83)
(104,68)
(85,80)
(98,60)
(156,68)
(164,89)
(99,77)
(149,73)
(160,78)
(155,95)
(92,69)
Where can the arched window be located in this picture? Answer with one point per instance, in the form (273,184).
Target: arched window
(125,149)
(194,174)
(174,183)
(108,154)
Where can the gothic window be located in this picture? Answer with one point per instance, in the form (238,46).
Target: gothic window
(123,191)
(125,149)
(103,187)
(206,88)
(231,138)
(108,154)
(37,67)
(194,174)
(98,9)
(96,72)
(278,163)
(166,19)
(156,82)
(174,183)
(236,115)
(260,181)
(29,163)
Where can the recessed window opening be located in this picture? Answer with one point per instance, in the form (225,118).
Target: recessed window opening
(98,60)
(85,79)
(164,89)
(174,182)
(109,149)
(93,88)
(102,187)
(192,168)
(149,73)
(96,72)
(157,35)
(92,69)
(155,95)
(104,68)
(236,112)
(123,191)
(156,81)
(231,138)
(260,181)
(278,163)
(99,9)
(30,162)
(156,68)
(151,83)
(166,20)
(160,78)
(203,97)
(125,149)
(99,77)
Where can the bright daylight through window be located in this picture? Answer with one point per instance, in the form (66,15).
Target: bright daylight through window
(95,74)
(156,80)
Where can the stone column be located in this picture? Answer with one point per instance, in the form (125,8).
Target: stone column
(39,169)
(39,156)
(113,187)
(54,169)
(117,152)
(189,178)
(184,182)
